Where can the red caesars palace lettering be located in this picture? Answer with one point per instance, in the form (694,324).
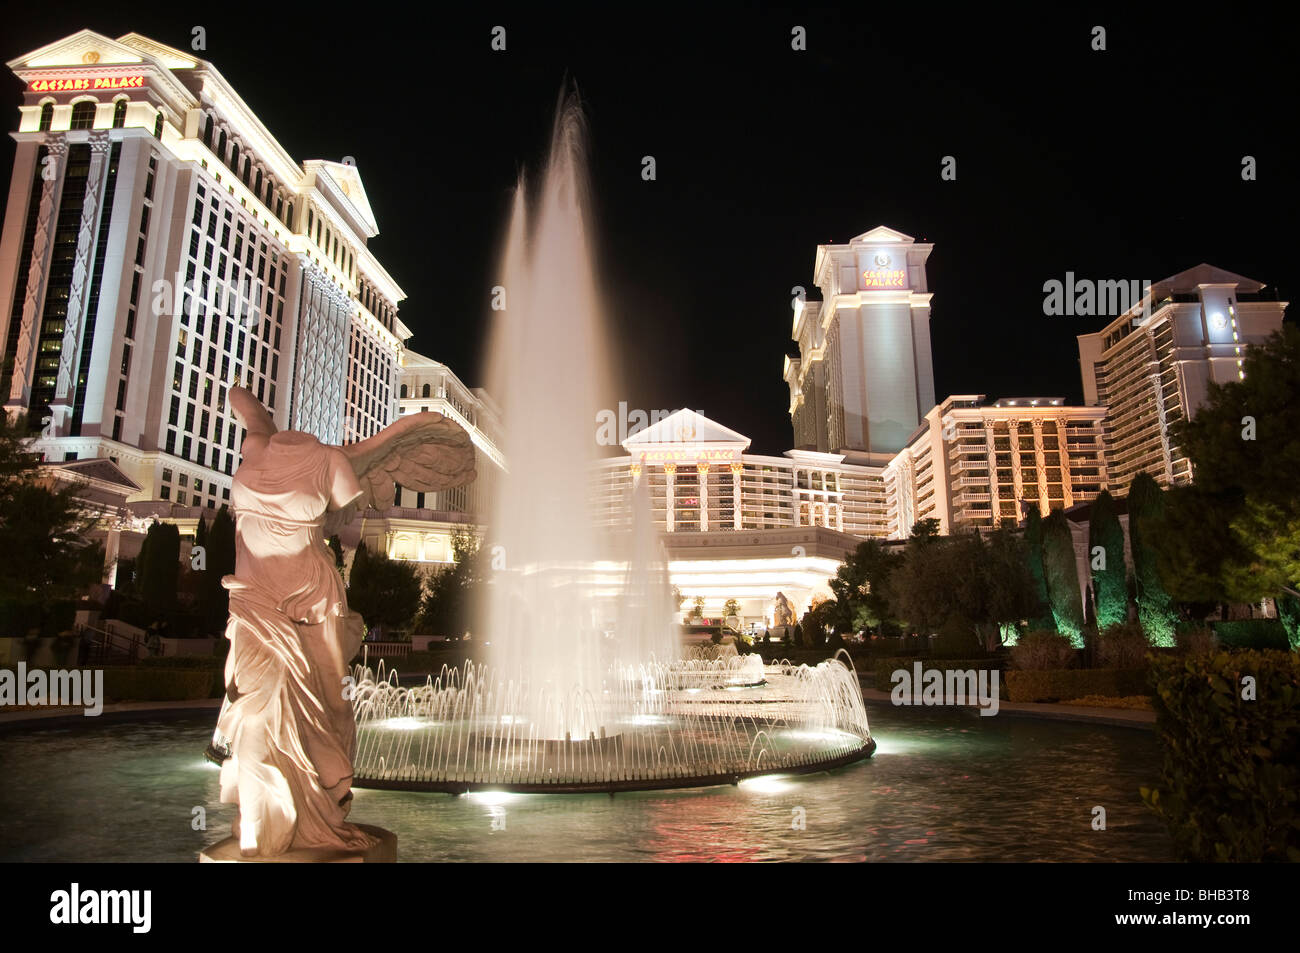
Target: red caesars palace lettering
(82,83)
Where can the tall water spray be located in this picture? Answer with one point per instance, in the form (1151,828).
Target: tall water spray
(555,630)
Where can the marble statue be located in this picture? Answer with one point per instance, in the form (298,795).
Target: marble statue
(782,612)
(288,722)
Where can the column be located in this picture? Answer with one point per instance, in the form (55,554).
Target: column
(75,321)
(1040,461)
(736,469)
(635,470)
(670,496)
(25,353)
(1013,432)
(1063,454)
(703,470)
(990,441)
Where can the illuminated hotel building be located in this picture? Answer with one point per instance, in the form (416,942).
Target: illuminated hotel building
(741,525)
(421,526)
(863,379)
(971,465)
(1152,366)
(160,246)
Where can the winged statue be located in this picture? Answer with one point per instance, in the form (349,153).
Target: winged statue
(287,728)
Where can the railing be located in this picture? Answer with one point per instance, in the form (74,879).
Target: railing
(385,649)
(106,646)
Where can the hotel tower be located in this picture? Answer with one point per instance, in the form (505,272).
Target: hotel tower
(159,247)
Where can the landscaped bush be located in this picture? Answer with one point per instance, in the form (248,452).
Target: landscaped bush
(1252,634)
(1042,650)
(885,668)
(137,684)
(1041,685)
(1230,780)
(1194,639)
(1122,646)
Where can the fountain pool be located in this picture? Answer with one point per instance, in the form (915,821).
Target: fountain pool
(944,785)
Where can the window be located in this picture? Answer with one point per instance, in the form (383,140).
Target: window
(47,116)
(119,114)
(83,115)
(221,147)
(157,127)
(403,392)
(424,391)
(207,131)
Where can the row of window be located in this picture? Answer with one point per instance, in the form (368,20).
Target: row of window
(254,176)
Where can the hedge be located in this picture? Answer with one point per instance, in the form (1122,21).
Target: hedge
(1230,779)
(1053,685)
(160,684)
(1252,634)
(885,668)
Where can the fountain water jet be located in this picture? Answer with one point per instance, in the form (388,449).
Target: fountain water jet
(584,689)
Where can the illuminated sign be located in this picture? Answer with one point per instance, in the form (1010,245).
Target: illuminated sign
(82,83)
(688,456)
(882,274)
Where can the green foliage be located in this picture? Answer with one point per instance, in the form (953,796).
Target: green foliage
(1041,617)
(158,570)
(956,639)
(1106,559)
(885,668)
(1244,481)
(452,594)
(1055,685)
(1155,607)
(1288,610)
(385,591)
(1122,646)
(812,626)
(861,588)
(1062,578)
(1230,780)
(1251,634)
(213,597)
(1043,649)
(48,561)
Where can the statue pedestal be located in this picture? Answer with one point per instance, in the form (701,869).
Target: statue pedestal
(384,852)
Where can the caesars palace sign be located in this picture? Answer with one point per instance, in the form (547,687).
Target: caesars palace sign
(80,83)
(690,456)
(882,274)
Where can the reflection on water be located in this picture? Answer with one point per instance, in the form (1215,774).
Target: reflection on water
(943,786)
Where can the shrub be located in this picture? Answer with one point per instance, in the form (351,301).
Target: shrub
(1231,766)
(1122,646)
(1045,685)
(1041,650)
(1252,634)
(160,684)
(1196,639)
(956,639)
(885,668)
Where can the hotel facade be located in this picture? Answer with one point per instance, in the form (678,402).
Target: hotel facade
(159,247)
(1152,366)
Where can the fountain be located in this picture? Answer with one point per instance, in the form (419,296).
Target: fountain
(585,688)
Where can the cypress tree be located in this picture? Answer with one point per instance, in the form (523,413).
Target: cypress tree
(1042,618)
(1106,560)
(1154,605)
(1062,578)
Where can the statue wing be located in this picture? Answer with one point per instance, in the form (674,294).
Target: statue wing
(425,452)
(253,417)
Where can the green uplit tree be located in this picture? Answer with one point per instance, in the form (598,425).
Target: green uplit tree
(1106,561)
(1062,578)
(1155,607)
(1041,619)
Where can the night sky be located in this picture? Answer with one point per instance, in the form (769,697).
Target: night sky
(1123,164)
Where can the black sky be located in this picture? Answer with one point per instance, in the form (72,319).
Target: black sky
(1119,164)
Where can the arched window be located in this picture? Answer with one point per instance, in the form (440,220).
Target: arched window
(403,395)
(47,116)
(257,184)
(83,115)
(424,392)
(119,114)
(221,146)
(157,127)
(243,175)
(288,215)
(207,131)
(234,158)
